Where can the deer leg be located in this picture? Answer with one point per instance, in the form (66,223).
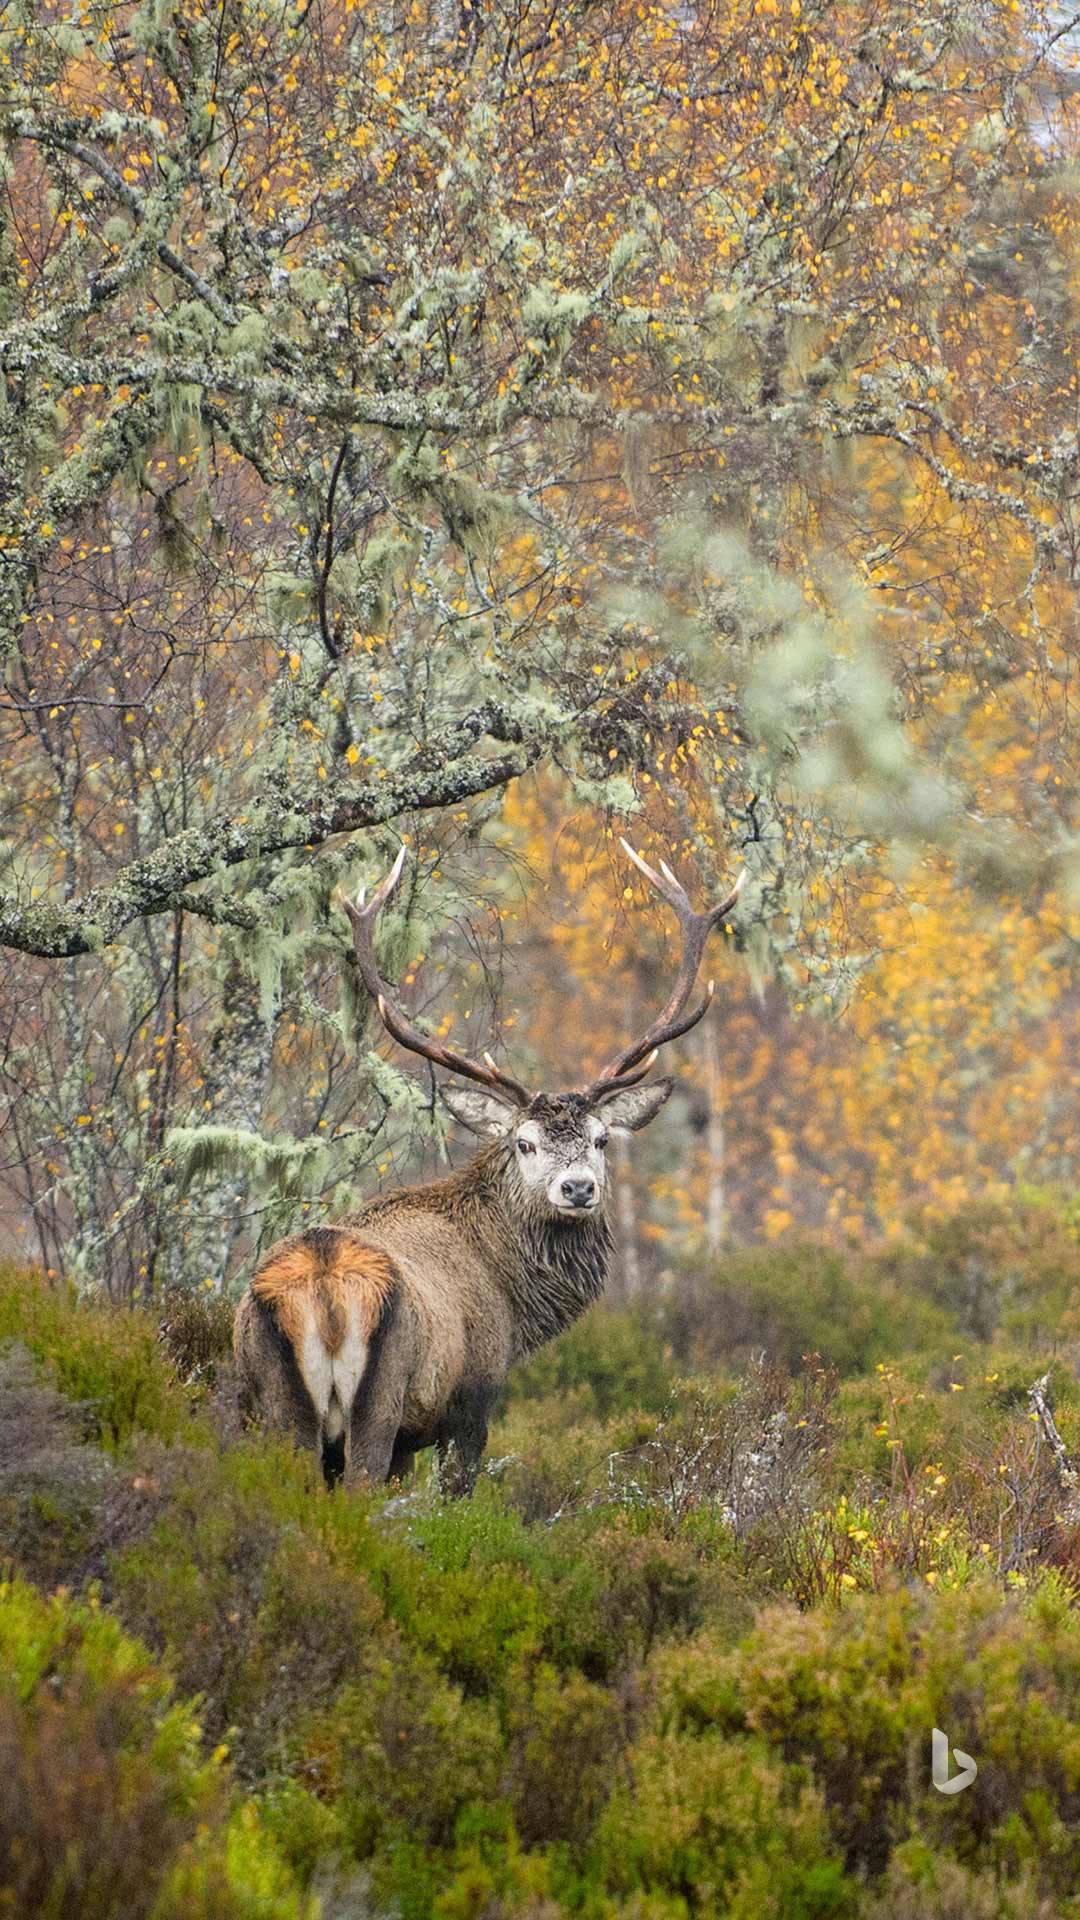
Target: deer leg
(373,1429)
(375,1418)
(270,1386)
(462,1439)
(247,1400)
(403,1458)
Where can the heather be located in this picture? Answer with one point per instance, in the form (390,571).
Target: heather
(680,1655)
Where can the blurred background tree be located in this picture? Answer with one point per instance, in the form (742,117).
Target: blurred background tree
(491,428)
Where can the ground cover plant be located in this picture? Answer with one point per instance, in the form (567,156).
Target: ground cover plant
(681,1654)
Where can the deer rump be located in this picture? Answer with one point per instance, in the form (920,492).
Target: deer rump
(322,1302)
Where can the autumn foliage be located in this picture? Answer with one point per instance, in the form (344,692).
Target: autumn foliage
(502,428)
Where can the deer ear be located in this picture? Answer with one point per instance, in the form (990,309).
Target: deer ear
(478,1111)
(634,1107)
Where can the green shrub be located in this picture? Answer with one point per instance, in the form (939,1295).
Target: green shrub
(110,1808)
(307,1831)
(567,1738)
(821,1694)
(400,1754)
(489,1877)
(622,1587)
(1010,1265)
(477,1621)
(935,1475)
(52,1484)
(724,1828)
(235,1874)
(107,1358)
(247,1592)
(803,1297)
(852,1695)
(923,1885)
(593,1592)
(547,1467)
(613,1360)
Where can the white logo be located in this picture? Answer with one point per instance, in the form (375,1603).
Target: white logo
(939,1765)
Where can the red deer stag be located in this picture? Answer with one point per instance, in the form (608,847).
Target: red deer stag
(395,1328)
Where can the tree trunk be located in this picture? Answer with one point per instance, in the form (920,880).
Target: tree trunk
(716,1202)
(626,1279)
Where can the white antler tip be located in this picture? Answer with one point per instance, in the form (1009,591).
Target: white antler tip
(652,1059)
(641,865)
(741,881)
(668,875)
(381,1004)
(489,1061)
(710,989)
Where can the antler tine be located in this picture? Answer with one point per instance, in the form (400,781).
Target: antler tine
(673,891)
(673,1020)
(362,916)
(382,893)
(631,1079)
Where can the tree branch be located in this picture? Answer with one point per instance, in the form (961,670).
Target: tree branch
(78,150)
(1064,1465)
(157,883)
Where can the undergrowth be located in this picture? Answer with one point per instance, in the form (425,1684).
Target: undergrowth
(681,1655)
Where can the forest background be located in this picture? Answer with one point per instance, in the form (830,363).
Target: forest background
(503,427)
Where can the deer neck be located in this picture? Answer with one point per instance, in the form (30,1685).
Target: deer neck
(551,1267)
(561,1270)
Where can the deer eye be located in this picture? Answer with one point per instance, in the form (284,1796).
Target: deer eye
(526,1146)
(601,1141)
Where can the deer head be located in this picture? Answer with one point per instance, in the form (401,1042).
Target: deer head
(555,1141)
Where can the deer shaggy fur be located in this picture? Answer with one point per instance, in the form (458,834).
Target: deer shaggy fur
(395,1329)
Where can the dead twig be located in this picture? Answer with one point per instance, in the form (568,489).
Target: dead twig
(1066,1469)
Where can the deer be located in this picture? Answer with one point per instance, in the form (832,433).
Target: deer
(393,1329)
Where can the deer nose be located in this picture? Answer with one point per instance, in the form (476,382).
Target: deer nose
(579,1192)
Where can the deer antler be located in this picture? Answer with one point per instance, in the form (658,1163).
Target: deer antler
(363,914)
(634,1063)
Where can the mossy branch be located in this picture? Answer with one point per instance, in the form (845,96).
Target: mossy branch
(94,919)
